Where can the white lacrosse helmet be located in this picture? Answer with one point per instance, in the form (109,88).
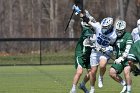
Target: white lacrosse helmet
(138,24)
(107,25)
(120,27)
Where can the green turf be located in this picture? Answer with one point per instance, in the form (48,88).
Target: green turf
(50,79)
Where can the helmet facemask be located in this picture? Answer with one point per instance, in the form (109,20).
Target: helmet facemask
(120,27)
(106,29)
(107,25)
(120,32)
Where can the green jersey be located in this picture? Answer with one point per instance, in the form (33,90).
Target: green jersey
(82,53)
(134,53)
(121,47)
(122,42)
(80,49)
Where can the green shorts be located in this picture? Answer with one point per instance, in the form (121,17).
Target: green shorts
(82,60)
(119,67)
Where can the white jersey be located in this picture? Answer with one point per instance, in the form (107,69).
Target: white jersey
(135,34)
(103,40)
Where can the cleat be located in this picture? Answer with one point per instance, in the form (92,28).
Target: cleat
(91,91)
(72,91)
(124,89)
(100,82)
(83,87)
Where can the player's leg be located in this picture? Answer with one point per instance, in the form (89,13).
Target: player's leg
(102,65)
(94,62)
(85,80)
(93,78)
(79,71)
(114,72)
(128,78)
(134,69)
(76,78)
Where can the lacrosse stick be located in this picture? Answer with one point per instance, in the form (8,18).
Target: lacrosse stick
(69,21)
(103,51)
(77,2)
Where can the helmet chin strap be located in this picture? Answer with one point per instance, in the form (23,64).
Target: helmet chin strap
(109,30)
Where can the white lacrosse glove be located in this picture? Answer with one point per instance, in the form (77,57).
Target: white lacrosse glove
(88,43)
(109,48)
(119,60)
(106,49)
(125,54)
(103,50)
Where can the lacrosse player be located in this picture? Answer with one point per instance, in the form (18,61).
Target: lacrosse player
(123,45)
(82,57)
(136,36)
(134,56)
(82,54)
(105,36)
(136,32)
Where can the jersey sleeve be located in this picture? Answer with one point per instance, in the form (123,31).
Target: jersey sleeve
(129,42)
(96,26)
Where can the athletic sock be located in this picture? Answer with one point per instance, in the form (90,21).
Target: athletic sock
(73,87)
(92,87)
(100,76)
(128,87)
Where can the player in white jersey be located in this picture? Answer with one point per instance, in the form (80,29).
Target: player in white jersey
(136,32)
(105,36)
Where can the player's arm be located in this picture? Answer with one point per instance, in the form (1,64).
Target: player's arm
(129,43)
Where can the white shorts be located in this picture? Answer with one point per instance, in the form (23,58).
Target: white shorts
(96,56)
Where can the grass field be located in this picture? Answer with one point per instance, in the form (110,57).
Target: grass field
(50,79)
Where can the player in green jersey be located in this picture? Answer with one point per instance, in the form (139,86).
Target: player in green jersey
(82,58)
(123,45)
(134,57)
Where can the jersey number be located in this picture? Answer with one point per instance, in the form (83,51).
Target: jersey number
(102,41)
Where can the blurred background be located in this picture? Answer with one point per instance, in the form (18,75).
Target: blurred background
(29,19)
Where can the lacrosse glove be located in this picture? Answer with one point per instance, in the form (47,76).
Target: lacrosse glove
(119,60)
(76,9)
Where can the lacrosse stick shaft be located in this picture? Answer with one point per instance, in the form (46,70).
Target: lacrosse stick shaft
(69,20)
(107,55)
